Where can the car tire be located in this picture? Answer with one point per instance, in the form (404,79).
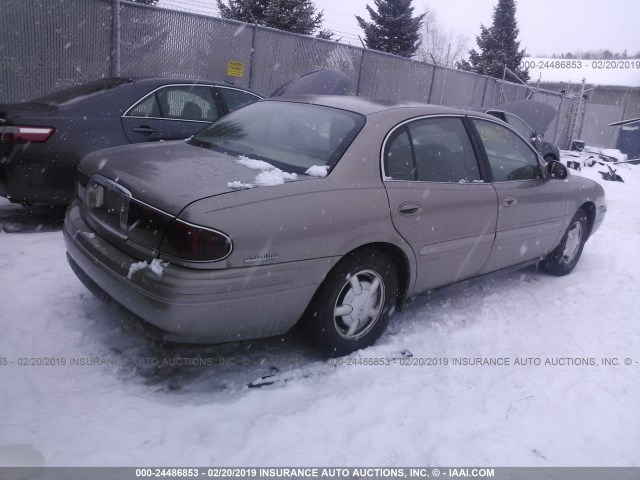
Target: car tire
(563,259)
(352,307)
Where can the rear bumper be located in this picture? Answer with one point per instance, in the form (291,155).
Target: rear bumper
(30,176)
(195,305)
(3,184)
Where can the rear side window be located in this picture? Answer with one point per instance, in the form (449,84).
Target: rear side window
(439,149)
(188,102)
(146,108)
(399,162)
(234,99)
(510,157)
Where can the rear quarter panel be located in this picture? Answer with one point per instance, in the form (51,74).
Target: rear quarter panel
(309,218)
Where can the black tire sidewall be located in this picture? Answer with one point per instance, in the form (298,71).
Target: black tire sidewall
(320,320)
(554,262)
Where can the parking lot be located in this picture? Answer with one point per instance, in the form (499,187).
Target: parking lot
(527,370)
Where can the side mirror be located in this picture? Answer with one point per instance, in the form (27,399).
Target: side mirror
(556,170)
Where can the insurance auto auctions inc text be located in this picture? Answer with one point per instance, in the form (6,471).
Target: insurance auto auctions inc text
(355,473)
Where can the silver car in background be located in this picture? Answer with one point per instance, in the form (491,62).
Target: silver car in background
(329,210)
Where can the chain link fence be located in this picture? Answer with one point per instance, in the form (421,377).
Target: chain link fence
(47,45)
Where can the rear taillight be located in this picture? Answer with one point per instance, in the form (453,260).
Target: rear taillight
(19,134)
(145,224)
(193,243)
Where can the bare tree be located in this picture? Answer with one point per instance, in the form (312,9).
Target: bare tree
(439,45)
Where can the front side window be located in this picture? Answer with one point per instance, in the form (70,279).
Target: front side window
(432,150)
(510,157)
(291,136)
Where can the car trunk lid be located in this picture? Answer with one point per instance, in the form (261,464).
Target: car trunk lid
(168,175)
(134,192)
(12,112)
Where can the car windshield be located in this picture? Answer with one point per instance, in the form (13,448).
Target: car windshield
(290,136)
(79,93)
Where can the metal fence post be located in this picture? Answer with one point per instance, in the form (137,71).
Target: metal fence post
(433,79)
(360,72)
(115,38)
(251,56)
(484,91)
(556,132)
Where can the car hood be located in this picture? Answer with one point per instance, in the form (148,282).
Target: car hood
(536,114)
(169,175)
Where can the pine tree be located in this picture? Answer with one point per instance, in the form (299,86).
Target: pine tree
(393,28)
(248,11)
(296,16)
(326,34)
(498,45)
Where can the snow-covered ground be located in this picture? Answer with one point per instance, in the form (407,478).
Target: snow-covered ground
(121,410)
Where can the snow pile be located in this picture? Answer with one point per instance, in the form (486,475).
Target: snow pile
(268,177)
(239,185)
(254,164)
(317,171)
(609,152)
(598,158)
(136,267)
(156,266)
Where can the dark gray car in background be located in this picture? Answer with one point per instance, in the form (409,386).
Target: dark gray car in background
(42,141)
(331,211)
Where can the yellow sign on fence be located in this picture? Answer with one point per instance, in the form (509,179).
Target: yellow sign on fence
(235,69)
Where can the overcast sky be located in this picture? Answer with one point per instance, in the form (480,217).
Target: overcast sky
(546,26)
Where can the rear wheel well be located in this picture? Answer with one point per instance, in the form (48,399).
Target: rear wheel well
(590,209)
(401,262)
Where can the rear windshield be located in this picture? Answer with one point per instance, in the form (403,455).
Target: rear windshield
(290,136)
(79,93)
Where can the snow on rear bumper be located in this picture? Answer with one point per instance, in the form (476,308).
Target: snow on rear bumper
(195,305)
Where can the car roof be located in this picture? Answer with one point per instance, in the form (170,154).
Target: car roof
(189,81)
(368,106)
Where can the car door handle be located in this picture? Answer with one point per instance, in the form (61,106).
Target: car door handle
(145,130)
(409,208)
(509,201)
